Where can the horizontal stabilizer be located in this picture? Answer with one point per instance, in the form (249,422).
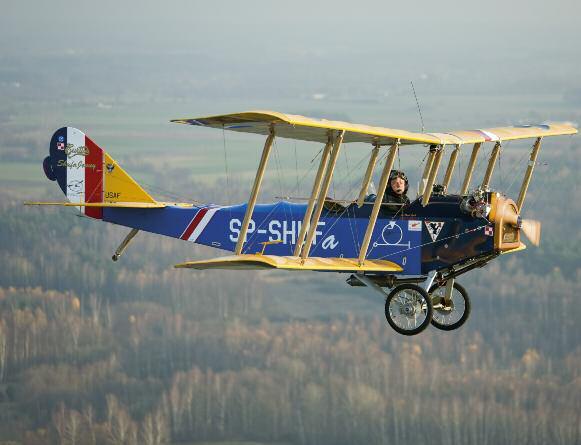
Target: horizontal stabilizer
(127,205)
(257,261)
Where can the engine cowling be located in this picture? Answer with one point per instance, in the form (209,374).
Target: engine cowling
(508,224)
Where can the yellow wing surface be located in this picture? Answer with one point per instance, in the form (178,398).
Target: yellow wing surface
(123,205)
(309,129)
(257,261)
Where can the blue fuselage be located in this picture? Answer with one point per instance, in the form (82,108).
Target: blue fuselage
(419,238)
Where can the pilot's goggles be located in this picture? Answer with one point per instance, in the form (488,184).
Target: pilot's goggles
(398,174)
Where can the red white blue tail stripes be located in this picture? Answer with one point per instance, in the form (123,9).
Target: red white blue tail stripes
(198,223)
(76,162)
(84,166)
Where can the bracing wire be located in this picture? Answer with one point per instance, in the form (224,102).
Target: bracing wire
(226,166)
(278,166)
(481,159)
(296,166)
(525,153)
(398,160)
(455,236)
(500,175)
(457,177)
(420,168)
(542,186)
(419,108)
(154,188)
(170,194)
(279,170)
(352,188)
(227,171)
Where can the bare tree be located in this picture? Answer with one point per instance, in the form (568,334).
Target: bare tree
(3,350)
(67,424)
(147,433)
(121,429)
(89,419)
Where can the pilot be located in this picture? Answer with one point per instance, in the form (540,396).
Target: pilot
(396,191)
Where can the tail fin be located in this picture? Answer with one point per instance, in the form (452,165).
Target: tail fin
(87,174)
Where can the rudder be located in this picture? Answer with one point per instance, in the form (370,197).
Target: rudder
(87,174)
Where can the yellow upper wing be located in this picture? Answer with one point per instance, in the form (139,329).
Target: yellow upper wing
(293,126)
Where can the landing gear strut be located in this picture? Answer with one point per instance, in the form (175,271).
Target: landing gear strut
(410,308)
(451,306)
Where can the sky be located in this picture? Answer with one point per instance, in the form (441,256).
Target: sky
(255,51)
(246,29)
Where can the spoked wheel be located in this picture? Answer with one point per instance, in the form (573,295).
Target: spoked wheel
(450,314)
(408,309)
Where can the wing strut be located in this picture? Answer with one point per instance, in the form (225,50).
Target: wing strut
(368,175)
(389,161)
(432,176)
(451,165)
(427,168)
(322,193)
(491,164)
(470,168)
(528,174)
(255,190)
(314,193)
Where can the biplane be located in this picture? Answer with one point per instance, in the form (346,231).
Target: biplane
(412,256)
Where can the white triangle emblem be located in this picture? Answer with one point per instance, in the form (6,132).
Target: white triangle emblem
(434,228)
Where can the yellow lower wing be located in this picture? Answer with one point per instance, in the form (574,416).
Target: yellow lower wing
(256,261)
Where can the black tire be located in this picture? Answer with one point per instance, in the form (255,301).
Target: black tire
(438,312)
(401,306)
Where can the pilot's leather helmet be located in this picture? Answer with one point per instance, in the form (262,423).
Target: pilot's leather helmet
(399,174)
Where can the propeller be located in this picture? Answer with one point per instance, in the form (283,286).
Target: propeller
(532,230)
